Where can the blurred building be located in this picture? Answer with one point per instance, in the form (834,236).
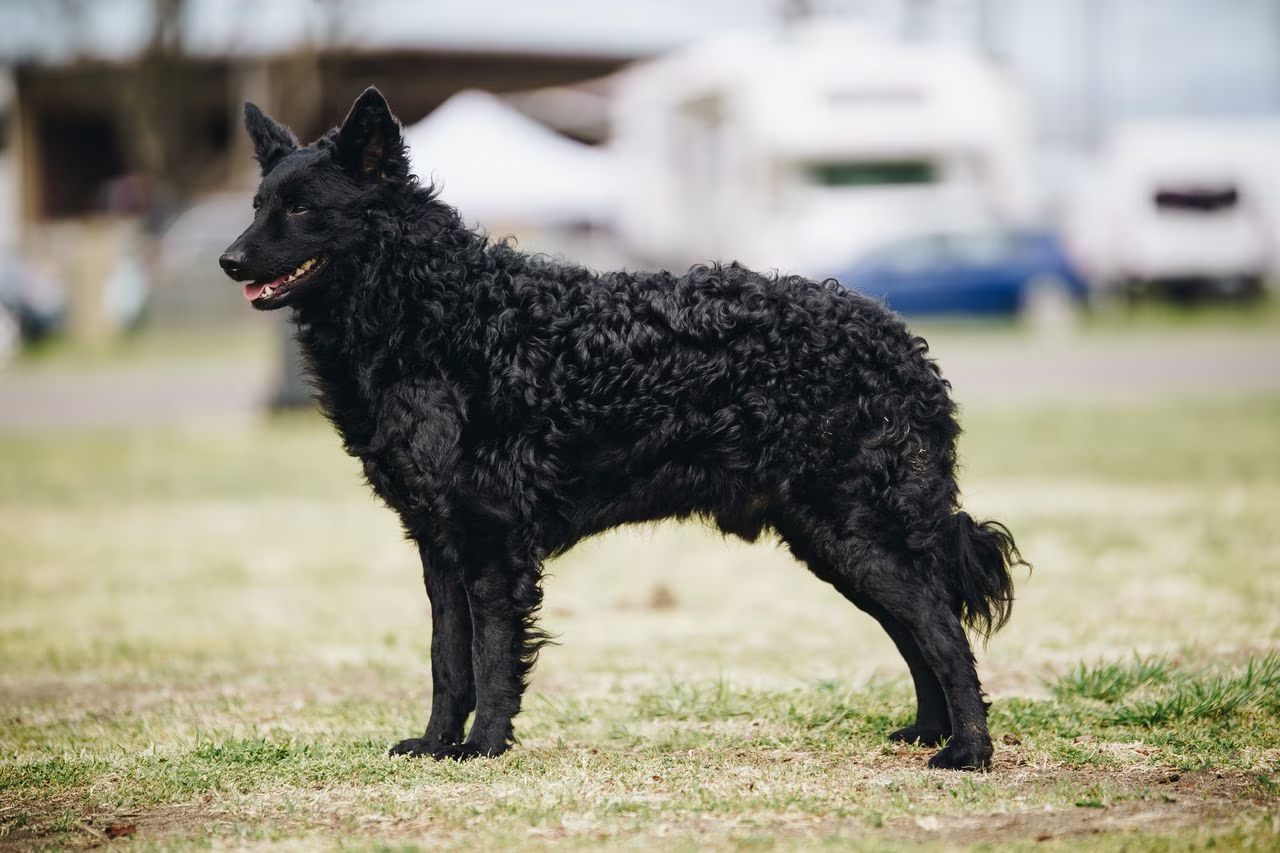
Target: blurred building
(106,88)
(122,113)
(112,88)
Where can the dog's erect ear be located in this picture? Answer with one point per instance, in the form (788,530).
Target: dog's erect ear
(271,140)
(369,143)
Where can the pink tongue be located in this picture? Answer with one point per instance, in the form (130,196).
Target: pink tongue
(254,290)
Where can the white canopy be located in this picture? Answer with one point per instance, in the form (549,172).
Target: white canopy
(500,167)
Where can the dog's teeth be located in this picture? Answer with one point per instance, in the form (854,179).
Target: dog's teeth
(306,265)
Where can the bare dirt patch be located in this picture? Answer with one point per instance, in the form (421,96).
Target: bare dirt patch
(1150,802)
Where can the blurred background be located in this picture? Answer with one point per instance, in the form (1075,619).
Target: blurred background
(1077,202)
(1013,158)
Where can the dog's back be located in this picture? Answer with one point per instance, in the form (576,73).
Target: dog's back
(720,391)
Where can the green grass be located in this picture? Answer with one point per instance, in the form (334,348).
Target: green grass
(250,341)
(1157,317)
(1207,696)
(1109,681)
(213,635)
(1222,444)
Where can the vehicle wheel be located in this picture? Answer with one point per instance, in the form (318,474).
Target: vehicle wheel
(10,335)
(1048,308)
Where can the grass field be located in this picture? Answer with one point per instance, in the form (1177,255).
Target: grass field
(210,637)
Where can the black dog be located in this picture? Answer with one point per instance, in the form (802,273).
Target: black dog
(507,406)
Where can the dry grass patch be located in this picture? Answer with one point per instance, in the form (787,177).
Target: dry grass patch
(212,639)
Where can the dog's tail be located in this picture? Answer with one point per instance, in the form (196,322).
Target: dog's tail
(983,556)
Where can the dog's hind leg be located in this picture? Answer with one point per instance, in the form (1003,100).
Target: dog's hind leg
(933,721)
(918,614)
(945,648)
(928,623)
(453,693)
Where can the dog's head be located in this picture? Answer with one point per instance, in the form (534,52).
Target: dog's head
(307,211)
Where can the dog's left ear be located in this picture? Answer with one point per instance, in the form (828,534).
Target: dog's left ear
(369,143)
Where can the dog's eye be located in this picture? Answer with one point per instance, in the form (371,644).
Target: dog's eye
(296,209)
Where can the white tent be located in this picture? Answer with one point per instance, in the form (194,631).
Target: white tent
(499,167)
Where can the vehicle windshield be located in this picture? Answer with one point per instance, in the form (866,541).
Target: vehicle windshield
(1197,199)
(871,173)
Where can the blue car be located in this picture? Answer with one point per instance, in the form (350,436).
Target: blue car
(979,273)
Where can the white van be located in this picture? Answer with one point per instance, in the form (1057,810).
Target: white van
(1181,209)
(803,150)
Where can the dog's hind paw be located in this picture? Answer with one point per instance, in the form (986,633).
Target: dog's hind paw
(919,734)
(959,756)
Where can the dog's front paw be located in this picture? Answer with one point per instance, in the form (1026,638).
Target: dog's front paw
(958,755)
(415,746)
(457,751)
(919,734)
(465,751)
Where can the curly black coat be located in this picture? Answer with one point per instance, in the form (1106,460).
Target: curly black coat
(507,406)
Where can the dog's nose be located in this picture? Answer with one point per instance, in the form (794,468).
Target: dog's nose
(232,263)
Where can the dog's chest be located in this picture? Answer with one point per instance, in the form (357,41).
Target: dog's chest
(389,462)
(406,438)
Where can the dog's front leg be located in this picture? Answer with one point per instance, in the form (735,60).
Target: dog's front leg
(453,693)
(411,461)
(504,598)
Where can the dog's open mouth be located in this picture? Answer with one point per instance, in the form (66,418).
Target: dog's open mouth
(263,293)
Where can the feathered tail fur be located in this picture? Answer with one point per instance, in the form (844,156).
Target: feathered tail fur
(983,558)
